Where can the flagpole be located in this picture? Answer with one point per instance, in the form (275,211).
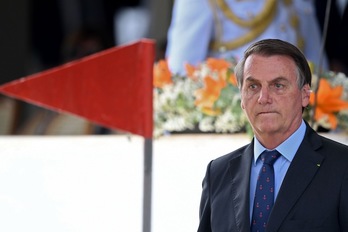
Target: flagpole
(147,197)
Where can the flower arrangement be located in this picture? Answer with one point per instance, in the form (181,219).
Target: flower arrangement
(328,107)
(207,98)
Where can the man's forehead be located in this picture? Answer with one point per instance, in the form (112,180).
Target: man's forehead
(270,64)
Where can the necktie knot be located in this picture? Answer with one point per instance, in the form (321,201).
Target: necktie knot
(269,157)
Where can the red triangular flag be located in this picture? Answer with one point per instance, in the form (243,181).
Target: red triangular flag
(112,88)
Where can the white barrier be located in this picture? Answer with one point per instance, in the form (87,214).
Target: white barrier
(94,183)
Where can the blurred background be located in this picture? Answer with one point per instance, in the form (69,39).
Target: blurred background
(37,35)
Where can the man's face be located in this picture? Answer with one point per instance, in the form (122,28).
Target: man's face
(271,97)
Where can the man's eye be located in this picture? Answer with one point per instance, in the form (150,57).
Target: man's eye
(279,86)
(253,86)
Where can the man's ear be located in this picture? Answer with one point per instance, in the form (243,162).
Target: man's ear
(306,93)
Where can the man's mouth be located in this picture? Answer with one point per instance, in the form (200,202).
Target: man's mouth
(266,112)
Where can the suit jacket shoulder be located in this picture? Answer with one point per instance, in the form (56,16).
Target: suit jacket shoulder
(313,193)
(225,196)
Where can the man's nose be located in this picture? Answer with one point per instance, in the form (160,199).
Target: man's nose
(264,96)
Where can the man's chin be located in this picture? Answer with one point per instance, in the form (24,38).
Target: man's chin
(268,127)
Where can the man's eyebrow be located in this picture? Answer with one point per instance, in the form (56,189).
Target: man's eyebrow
(280,79)
(252,79)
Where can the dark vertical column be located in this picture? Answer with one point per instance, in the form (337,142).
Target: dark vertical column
(14,52)
(159,23)
(14,39)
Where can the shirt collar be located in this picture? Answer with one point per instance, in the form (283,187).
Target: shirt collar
(288,148)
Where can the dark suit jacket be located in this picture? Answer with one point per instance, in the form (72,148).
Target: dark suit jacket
(313,196)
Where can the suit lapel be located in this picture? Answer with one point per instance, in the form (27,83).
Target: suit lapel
(240,186)
(299,175)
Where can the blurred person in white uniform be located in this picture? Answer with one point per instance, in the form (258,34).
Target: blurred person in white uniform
(225,28)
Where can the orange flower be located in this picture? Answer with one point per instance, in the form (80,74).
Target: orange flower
(207,96)
(161,74)
(329,102)
(222,66)
(211,111)
(190,71)
(218,64)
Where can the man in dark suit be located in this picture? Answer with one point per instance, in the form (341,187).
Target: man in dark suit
(310,177)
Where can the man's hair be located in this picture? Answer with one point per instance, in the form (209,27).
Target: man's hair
(270,47)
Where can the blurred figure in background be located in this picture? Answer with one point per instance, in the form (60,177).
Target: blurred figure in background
(225,28)
(84,42)
(130,24)
(336,44)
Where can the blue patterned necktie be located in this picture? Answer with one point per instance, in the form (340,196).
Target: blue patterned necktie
(264,194)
